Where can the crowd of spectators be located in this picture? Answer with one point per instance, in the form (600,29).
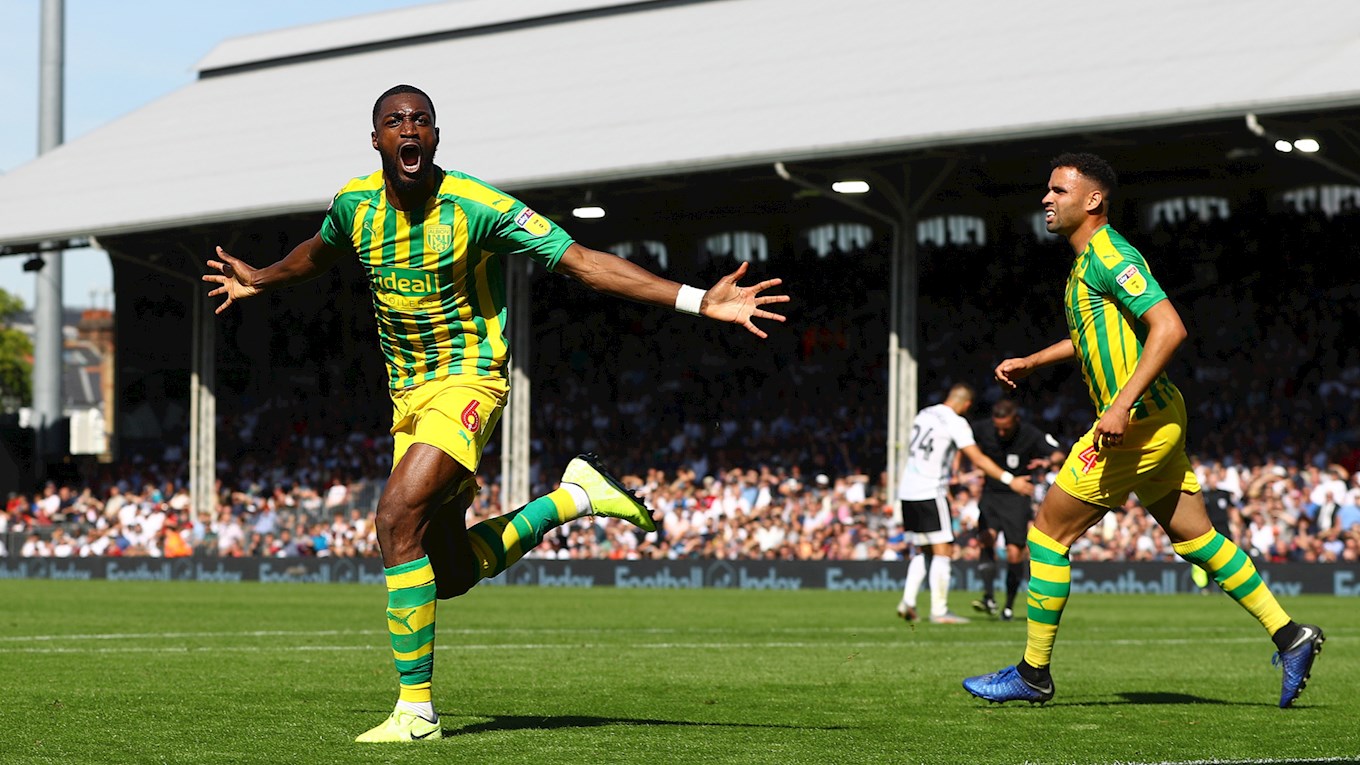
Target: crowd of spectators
(775,449)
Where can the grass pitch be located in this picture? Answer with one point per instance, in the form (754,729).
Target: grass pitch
(123,672)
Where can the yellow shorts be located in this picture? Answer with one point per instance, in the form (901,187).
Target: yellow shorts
(456,415)
(1151,462)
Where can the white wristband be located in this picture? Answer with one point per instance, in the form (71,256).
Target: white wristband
(689,298)
(1006,477)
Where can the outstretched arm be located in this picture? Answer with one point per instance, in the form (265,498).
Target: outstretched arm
(1010,370)
(239,281)
(725,301)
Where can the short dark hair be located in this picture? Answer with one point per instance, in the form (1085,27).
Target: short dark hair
(397,90)
(1004,408)
(1090,166)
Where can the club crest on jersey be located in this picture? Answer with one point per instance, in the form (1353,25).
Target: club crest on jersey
(1132,281)
(532,222)
(438,238)
(1012,461)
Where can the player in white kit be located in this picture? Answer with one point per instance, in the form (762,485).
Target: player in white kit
(937,435)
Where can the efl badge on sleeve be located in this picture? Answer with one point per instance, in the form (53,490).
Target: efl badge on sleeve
(532,222)
(438,238)
(1132,281)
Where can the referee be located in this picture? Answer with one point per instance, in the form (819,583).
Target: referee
(1020,448)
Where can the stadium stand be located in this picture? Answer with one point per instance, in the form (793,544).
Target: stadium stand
(739,461)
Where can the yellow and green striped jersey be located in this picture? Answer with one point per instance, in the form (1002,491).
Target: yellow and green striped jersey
(1109,288)
(436,274)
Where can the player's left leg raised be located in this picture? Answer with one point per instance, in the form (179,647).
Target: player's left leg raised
(606,495)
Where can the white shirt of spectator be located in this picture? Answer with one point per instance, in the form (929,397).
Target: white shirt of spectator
(153,522)
(1262,537)
(855,492)
(230,534)
(969,512)
(336,495)
(936,435)
(127,514)
(97,547)
(50,504)
(763,497)
(114,505)
(770,536)
(1329,488)
(1231,482)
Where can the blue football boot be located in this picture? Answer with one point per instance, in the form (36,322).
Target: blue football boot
(1007,685)
(1297,661)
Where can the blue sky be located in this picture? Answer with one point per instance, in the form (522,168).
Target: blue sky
(121,56)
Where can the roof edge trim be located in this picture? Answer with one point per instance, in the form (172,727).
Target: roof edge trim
(528,22)
(953,140)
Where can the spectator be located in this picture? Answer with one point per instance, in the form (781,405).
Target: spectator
(172,542)
(1274,429)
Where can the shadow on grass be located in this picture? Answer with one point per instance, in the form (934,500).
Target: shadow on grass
(540,722)
(1142,698)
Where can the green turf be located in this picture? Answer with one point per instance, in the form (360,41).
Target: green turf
(274,673)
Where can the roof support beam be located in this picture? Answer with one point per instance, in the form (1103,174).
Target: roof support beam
(515,434)
(47,313)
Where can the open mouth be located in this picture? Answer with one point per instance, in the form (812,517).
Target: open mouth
(409,156)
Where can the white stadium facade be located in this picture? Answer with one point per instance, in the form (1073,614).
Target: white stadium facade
(685,119)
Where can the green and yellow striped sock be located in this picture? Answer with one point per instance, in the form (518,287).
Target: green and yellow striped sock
(499,542)
(1236,574)
(410,625)
(1050,582)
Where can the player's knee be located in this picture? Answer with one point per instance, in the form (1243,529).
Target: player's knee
(397,516)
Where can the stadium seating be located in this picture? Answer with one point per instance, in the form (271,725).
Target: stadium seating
(775,449)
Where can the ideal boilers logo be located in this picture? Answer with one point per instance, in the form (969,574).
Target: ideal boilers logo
(410,282)
(405,287)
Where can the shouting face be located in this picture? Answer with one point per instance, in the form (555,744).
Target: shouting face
(405,136)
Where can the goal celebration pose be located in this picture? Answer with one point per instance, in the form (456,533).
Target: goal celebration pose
(432,242)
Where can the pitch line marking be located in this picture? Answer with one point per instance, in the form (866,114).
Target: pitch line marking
(465,647)
(1262,761)
(679,646)
(594,631)
(178,635)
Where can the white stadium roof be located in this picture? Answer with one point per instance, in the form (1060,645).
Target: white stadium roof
(537,93)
